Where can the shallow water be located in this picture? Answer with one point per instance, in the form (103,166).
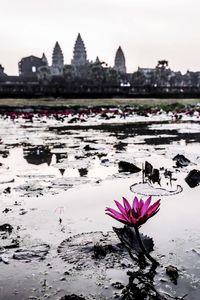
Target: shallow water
(52,187)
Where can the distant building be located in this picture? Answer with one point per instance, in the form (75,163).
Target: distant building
(146,71)
(191,79)
(79,53)
(160,76)
(28,66)
(2,74)
(57,61)
(120,62)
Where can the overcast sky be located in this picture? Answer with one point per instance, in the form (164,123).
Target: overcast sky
(147,30)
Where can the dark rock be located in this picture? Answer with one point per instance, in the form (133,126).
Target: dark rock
(105,161)
(22,212)
(62,279)
(4,153)
(172,272)
(193,178)
(66,273)
(125,166)
(6,228)
(88,148)
(83,172)
(7,190)
(6,210)
(38,155)
(120,146)
(181,161)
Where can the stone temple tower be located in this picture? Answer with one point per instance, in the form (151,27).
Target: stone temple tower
(57,60)
(120,62)
(79,54)
(44,59)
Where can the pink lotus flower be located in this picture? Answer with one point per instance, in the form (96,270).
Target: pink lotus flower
(134,215)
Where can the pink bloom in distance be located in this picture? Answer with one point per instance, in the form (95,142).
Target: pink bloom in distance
(134,215)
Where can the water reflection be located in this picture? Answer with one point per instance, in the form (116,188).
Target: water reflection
(37,155)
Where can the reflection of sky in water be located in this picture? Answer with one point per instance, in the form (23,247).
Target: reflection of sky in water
(18,166)
(180,127)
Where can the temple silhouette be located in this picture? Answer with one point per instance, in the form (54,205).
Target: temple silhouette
(38,78)
(33,66)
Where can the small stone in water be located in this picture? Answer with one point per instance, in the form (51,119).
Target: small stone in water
(172,272)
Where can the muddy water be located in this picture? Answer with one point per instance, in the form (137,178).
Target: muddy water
(55,183)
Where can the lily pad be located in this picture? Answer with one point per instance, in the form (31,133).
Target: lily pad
(89,250)
(37,252)
(147,189)
(128,237)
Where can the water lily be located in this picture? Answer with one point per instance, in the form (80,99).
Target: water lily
(134,216)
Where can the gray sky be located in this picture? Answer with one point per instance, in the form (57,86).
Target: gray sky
(147,30)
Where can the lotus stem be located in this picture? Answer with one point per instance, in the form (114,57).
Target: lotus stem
(154,262)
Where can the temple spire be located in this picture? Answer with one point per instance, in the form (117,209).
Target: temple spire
(44,59)
(57,60)
(79,53)
(120,62)
(97,61)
